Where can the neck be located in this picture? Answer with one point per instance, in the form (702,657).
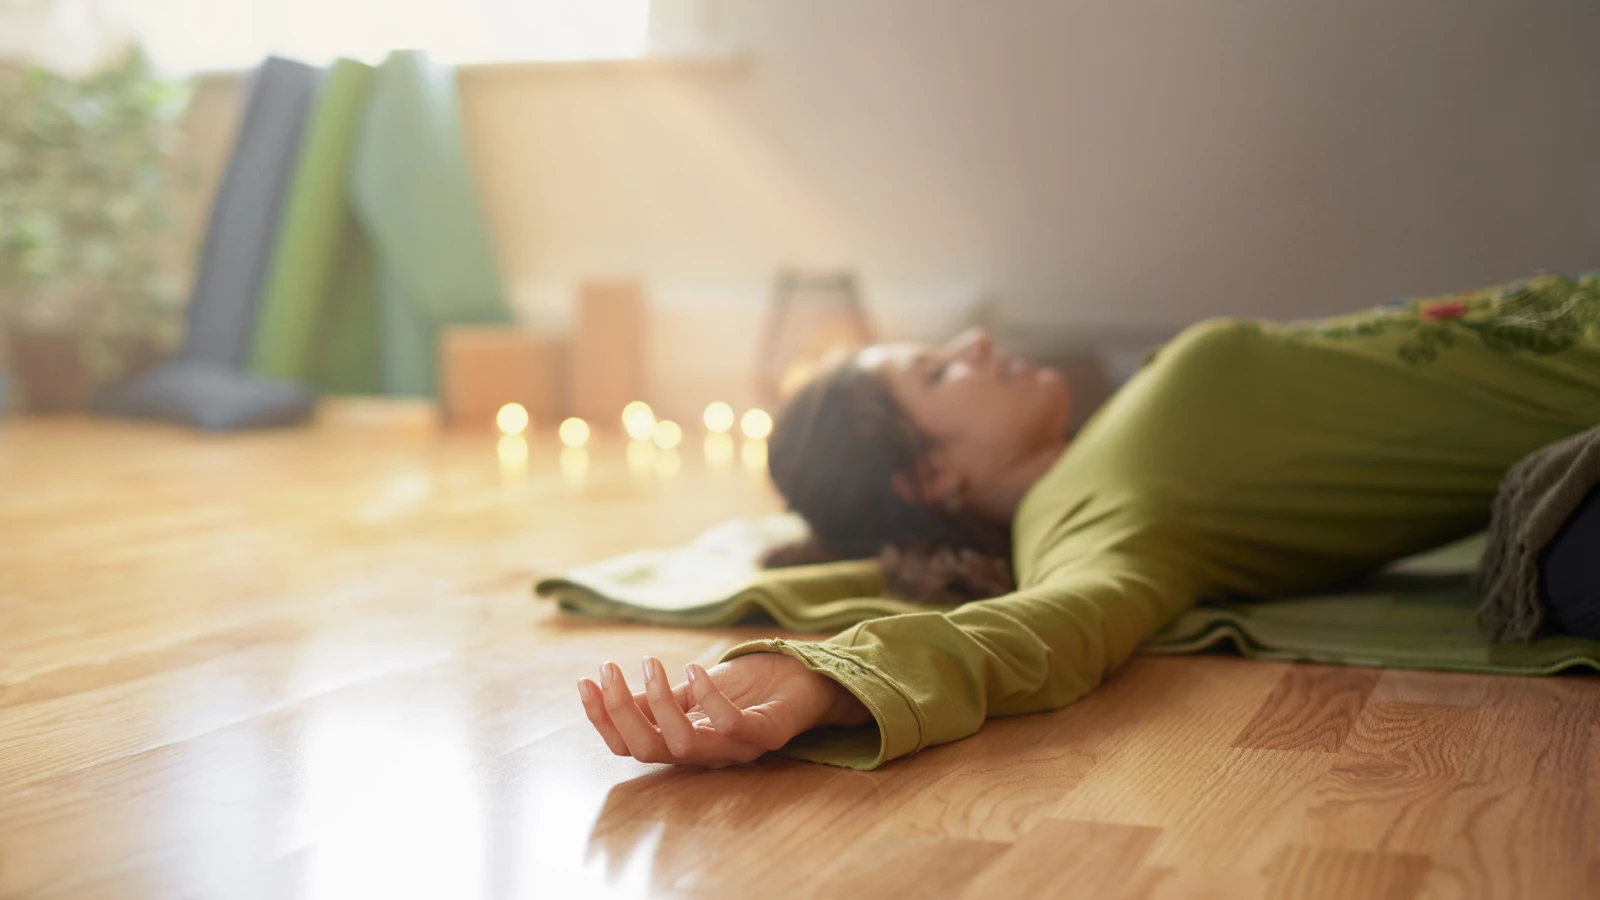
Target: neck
(1003,497)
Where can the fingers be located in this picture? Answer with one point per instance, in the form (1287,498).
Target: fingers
(642,700)
(675,727)
(718,708)
(652,725)
(643,740)
(594,706)
(680,694)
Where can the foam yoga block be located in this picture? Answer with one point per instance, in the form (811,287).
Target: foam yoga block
(244,218)
(318,318)
(482,368)
(608,351)
(413,196)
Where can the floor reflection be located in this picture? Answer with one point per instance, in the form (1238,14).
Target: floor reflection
(512,450)
(694,831)
(545,845)
(575,465)
(396,800)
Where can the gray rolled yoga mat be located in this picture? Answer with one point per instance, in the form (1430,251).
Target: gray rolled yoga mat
(244,218)
(206,386)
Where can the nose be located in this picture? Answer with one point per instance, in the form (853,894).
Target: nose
(973,346)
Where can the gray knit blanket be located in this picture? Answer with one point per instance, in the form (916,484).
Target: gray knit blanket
(1535,499)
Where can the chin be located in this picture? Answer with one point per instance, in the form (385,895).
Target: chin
(1056,399)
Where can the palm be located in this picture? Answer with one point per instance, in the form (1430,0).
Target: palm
(762,684)
(734,713)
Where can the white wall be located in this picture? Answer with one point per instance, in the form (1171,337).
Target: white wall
(1096,163)
(74,37)
(1098,159)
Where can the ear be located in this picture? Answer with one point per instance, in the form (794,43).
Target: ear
(927,485)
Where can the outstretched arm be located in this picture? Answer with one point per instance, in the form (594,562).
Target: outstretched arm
(907,681)
(931,678)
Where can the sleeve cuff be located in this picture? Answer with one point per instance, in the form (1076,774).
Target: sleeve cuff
(898,731)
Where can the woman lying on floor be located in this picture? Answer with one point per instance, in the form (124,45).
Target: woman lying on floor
(1245,458)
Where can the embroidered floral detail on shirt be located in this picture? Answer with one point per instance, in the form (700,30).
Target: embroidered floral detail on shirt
(1541,315)
(1444,312)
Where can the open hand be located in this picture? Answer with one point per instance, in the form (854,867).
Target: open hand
(734,713)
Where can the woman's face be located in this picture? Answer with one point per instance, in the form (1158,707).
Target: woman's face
(982,410)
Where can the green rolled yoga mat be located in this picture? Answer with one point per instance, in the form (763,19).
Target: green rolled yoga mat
(318,321)
(1419,614)
(413,194)
(349,358)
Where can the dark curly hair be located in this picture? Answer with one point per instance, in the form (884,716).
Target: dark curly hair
(833,455)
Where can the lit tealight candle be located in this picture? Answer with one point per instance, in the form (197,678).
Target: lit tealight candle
(719,418)
(574,432)
(668,435)
(638,420)
(511,419)
(756,425)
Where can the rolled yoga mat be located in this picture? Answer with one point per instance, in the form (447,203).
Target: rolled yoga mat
(318,321)
(1419,614)
(244,218)
(413,195)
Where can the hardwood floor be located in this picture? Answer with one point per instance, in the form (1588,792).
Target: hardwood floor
(307,665)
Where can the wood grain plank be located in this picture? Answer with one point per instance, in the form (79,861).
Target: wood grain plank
(1390,787)
(1323,873)
(910,866)
(1311,708)
(1592,807)
(1001,783)
(1210,883)
(131,663)
(720,829)
(1433,688)
(1512,840)
(1173,729)
(1540,732)
(1259,794)
(1063,858)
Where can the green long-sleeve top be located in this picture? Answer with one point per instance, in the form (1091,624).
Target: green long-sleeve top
(1245,458)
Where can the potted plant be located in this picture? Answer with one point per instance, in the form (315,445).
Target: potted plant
(87,292)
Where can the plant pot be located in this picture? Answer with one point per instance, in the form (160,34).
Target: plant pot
(51,371)
(53,375)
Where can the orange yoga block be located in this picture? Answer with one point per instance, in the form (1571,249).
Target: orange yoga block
(483,368)
(608,351)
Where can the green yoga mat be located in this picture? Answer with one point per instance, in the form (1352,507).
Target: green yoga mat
(412,192)
(349,357)
(318,321)
(1419,614)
